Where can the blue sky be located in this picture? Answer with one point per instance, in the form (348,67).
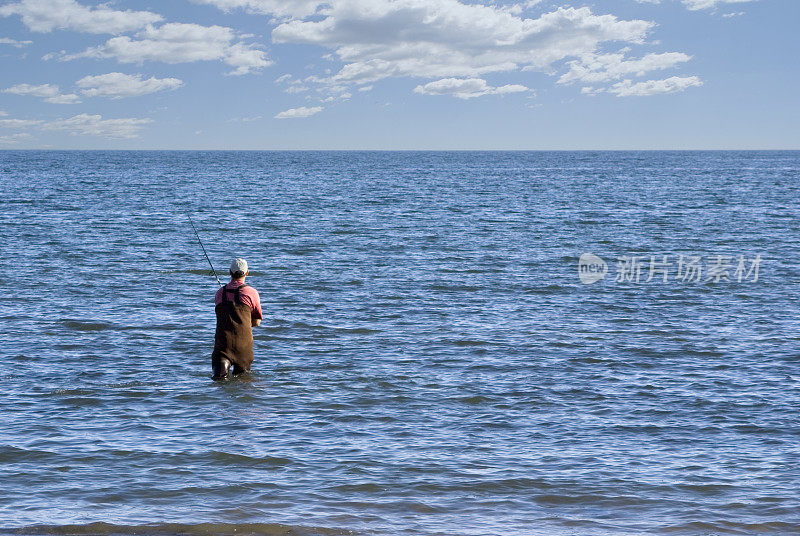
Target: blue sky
(399,74)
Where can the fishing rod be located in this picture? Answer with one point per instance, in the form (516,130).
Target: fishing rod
(204,249)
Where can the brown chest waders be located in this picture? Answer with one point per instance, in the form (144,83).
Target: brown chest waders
(233,341)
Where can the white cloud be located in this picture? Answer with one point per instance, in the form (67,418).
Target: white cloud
(342,97)
(296,88)
(293,85)
(181,43)
(695,5)
(376,39)
(85,124)
(278,8)
(49,92)
(114,85)
(454,42)
(14,138)
(465,88)
(627,88)
(593,68)
(588,90)
(119,85)
(14,42)
(245,119)
(19,123)
(246,58)
(735,14)
(95,125)
(47,15)
(294,113)
(3,113)
(70,98)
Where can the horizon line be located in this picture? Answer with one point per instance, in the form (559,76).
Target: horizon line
(11,149)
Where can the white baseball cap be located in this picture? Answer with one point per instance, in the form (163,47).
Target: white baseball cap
(239,265)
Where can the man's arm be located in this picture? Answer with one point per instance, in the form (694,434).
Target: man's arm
(258,314)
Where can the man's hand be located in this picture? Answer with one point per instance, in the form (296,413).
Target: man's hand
(256,322)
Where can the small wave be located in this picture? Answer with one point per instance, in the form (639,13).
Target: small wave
(81,401)
(730,527)
(455,288)
(86,326)
(469,270)
(593,360)
(9,455)
(171,529)
(468,342)
(473,400)
(550,499)
(69,346)
(302,252)
(194,272)
(79,392)
(359,331)
(365,487)
(339,329)
(545,289)
(231,458)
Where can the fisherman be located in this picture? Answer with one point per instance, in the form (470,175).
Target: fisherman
(238,309)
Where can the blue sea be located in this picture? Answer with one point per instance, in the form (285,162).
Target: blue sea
(454,343)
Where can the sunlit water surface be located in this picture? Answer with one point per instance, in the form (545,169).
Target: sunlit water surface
(429,363)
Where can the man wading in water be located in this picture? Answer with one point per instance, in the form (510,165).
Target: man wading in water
(238,309)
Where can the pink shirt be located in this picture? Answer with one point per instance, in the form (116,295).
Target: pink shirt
(249,297)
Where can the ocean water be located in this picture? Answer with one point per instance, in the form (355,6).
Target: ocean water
(431,360)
